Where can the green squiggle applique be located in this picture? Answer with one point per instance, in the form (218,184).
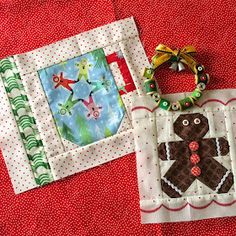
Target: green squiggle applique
(25,121)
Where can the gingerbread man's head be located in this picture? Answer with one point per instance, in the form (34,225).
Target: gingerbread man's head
(191,126)
(84,61)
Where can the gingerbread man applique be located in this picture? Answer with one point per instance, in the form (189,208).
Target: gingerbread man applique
(61,81)
(194,158)
(67,107)
(84,68)
(94,111)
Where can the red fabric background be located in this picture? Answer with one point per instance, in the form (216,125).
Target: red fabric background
(104,200)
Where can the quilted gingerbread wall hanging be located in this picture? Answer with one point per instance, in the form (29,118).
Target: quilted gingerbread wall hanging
(83,101)
(186,148)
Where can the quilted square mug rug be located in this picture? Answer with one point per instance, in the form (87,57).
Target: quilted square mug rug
(65,107)
(167,145)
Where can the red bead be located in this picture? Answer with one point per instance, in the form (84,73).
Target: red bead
(194,158)
(203,78)
(196,171)
(152,85)
(187,104)
(194,146)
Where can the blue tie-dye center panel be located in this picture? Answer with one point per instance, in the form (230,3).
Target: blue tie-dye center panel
(83,98)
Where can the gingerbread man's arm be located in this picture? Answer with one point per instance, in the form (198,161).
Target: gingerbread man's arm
(172,150)
(69,81)
(214,147)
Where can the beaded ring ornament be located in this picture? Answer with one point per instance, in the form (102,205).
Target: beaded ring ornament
(178,58)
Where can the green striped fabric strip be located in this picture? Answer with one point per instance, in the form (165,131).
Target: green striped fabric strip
(25,121)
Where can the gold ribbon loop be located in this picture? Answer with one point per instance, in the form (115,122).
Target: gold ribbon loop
(164,54)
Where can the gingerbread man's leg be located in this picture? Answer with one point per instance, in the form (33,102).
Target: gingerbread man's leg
(86,78)
(215,176)
(67,86)
(178,178)
(79,77)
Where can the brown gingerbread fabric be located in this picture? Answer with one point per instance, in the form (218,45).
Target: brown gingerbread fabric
(192,128)
(192,131)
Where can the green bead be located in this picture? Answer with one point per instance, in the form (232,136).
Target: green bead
(186,103)
(196,94)
(164,104)
(148,73)
(150,86)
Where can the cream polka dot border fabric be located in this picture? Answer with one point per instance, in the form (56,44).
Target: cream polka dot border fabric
(125,57)
(186,161)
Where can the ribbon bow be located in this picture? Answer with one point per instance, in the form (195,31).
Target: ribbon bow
(177,57)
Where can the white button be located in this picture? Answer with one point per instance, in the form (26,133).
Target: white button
(197,121)
(185,122)
(199,68)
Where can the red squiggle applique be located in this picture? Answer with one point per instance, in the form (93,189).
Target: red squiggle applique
(199,105)
(188,204)
(144,108)
(216,100)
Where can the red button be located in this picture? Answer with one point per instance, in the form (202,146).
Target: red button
(203,78)
(194,158)
(187,104)
(152,85)
(194,146)
(196,171)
